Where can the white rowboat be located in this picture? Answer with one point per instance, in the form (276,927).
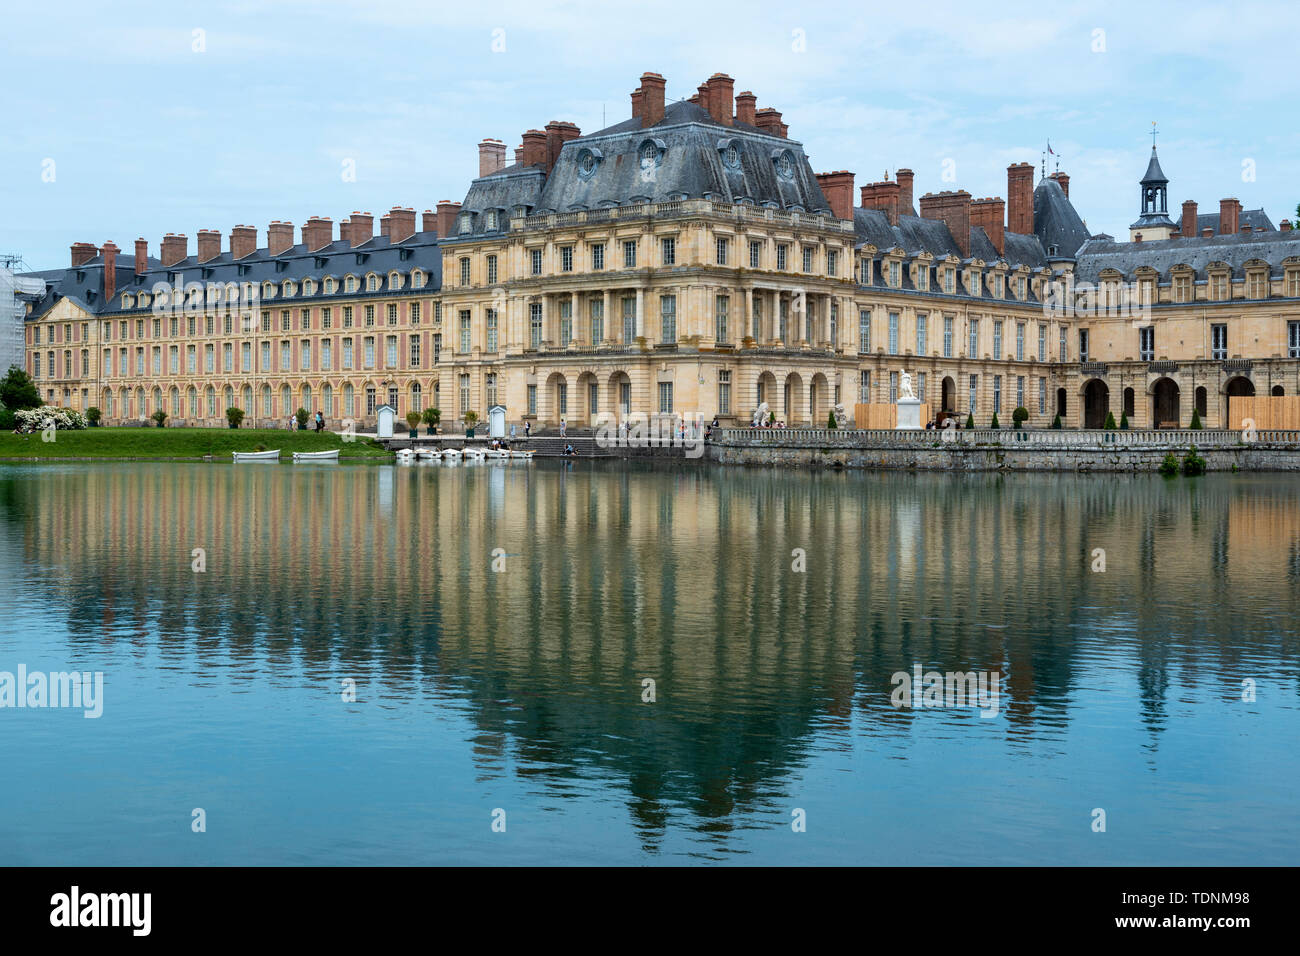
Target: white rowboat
(332,455)
(257,455)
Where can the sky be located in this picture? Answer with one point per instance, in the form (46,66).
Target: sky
(139,119)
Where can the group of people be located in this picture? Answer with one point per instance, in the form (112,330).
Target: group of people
(317,423)
(768,423)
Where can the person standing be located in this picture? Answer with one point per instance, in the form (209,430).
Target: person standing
(512,431)
(528,429)
(562,428)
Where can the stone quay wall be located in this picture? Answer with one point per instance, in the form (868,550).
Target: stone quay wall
(1138,450)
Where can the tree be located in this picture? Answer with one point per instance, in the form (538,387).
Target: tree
(970,420)
(1193,464)
(1020,416)
(994,423)
(1123,420)
(1110,420)
(160,417)
(1196,419)
(17,391)
(234,416)
(93,415)
(830,421)
(413,420)
(301,415)
(431,418)
(1056,422)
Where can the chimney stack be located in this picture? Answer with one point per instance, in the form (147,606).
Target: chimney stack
(534,148)
(905,179)
(838,189)
(447,211)
(1207,232)
(385,227)
(1189,219)
(702,97)
(279,237)
(768,120)
(883,196)
(1020,199)
(317,233)
(1064,180)
(83,252)
(988,214)
(746,104)
(722,93)
(638,99)
(401,223)
(428,222)
(209,245)
(1137,237)
(141,256)
(953,207)
(652,99)
(1245,228)
(1229,216)
(1285,226)
(109,252)
(519,153)
(360,228)
(491,156)
(243,241)
(173,249)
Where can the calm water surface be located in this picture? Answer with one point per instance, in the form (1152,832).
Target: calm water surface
(522,689)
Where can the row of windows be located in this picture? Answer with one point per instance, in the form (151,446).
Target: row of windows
(234,292)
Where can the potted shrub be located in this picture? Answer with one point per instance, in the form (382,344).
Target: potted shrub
(1110,421)
(413,422)
(160,417)
(234,416)
(432,416)
(970,421)
(1020,416)
(994,423)
(302,416)
(1056,422)
(471,419)
(1196,420)
(830,421)
(1123,421)
(93,416)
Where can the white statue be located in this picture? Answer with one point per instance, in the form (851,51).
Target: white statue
(841,417)
(760,415)
(907,387)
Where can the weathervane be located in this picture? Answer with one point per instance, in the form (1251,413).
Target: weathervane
(1153,135)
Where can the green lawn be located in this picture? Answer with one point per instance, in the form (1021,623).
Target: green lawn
(181,443)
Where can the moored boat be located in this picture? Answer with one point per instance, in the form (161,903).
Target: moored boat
(273,455)
(331,455)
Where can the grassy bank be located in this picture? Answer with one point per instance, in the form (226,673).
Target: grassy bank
(181,443)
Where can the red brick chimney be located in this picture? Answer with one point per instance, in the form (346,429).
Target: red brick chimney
(1064,180)
(447,211)
(638,98)
(317,233)
(401,223)
(746,104)
(1137,237)
(279,237)
(361,228)
(768,120)
(491,156)
(1245,228)
(988,214)
(428,222)
(702,94)
(83,252)
(838,189)
(1207,232)
(141,257)
(243,241)
(953,207)
(534,148)
(1020,199)
(905,178)
(109,252)
(1189,219)
(553,143)
(882,196)
(652,99)
(385,227)
(173,249)
(1229,216)
(1285,226)
(209,244)
(722,93)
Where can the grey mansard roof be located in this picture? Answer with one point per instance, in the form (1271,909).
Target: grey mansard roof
(1235,250)
(1056,223)
(84,284)
(1255,218)
(688,148)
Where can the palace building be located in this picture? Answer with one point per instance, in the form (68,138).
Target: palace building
(685,261)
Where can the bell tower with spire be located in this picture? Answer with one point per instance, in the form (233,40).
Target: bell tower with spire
(1154,222)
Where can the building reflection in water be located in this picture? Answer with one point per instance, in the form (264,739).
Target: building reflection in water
(614,574)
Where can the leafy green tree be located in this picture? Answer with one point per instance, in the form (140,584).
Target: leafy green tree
(1020,416)
(1110,420)
(1123,421)
(1056,422)
(1196,419)
(301,415)
(234,416)
(830,421)
(970,420)
(93,415)
(160,417)
(17,391)
(994,423)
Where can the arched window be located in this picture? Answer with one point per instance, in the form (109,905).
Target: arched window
(417,399)
(349,400)
(286,400)
(327,400)
(267,411)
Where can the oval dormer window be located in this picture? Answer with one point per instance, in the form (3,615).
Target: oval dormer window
(586,164)
(785,165)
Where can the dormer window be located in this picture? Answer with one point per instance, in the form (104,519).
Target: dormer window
(417,279)
(308,287)
(268,290)
(466,222)
(330,286)
(950,281)
(127,301)
(394,280)
(372,283)
(288,289)
(491,219)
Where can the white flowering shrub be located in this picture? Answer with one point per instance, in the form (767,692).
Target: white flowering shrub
(35,419)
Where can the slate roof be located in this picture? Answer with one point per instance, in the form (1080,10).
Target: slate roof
(1255,218)
(1056,223)
(1163,255)
(84,284)
(1154,173)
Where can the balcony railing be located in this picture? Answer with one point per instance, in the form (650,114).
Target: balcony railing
(1136,438)
(676,208)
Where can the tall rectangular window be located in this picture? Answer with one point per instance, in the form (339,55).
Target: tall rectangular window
(721,249)
(864,387)
(755,255)
(347,354)
(864,330)
(390,351)
(285,356)
(629,254)
(893,388)
(1042,396)
(566,322)
(668,250)
(629,319)
(326,355)
(781,253)
(665,398)
(1083,345)
(973,350)
(598,256)
(536,255)
(724,391)
(720,318)
(997,394)
(1147,343)
(947,336)
(490,317)
(597,321)
(1063,357)
(532,400)
(832,262)
(920,333)
(1020,391)
(893,333)
(1020,341)
(492,270)
(668,319)
(1042,341)
(369,344)
(807,259)
(305,356)
(974,391)
(997,339)
(1292,337)
(566,258)
(466,331)
(535,325)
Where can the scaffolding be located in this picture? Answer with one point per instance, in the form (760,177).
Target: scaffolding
(16,290)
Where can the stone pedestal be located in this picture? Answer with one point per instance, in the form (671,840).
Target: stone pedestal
(909,413)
